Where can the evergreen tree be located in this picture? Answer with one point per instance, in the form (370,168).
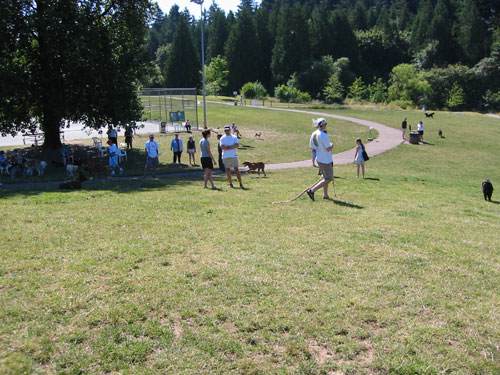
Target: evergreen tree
(334,91)
(291,49)
(242,48)
(342,38)
(441,31)
(217,32)
(358,16)
(266,43)
(472,35)
(183,67)
(420,32)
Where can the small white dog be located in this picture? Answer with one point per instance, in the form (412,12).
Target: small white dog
(71,170)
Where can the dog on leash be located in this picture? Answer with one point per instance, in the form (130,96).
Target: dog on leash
(71,170)
(429,115)
(487,188)
(253,167)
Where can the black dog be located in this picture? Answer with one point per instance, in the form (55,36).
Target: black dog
(429,115)
(440,133)
(487,189)
(75,184)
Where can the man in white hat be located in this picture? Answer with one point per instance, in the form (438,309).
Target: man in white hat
(323,146)
(229,143)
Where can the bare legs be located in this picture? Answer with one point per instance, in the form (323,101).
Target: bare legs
(322,184)
(229,177)
(191,159)
(362,167)
(207,177)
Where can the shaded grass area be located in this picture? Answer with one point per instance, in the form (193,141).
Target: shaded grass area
(398,275)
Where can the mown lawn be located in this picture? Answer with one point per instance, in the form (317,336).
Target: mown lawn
(399,275)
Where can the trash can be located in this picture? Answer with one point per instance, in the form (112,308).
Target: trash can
(414,138)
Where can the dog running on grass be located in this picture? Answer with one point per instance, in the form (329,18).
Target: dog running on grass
(429,115)
(487,188)
(258,135)
(252,167)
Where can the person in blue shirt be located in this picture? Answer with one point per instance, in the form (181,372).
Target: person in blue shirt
(176,146)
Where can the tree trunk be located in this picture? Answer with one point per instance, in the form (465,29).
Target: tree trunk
(51,132)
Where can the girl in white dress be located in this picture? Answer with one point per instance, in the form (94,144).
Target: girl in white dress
(359,159)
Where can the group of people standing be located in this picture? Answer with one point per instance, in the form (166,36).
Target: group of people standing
(228,157)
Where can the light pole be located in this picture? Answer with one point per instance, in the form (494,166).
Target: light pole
(204,93)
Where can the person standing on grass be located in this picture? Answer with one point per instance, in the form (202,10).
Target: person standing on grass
(176,146)
(191,149)
(420,129)
(152,154)
(404,125)
(207,159)
(219,150)
(313,144)
(129,136)
(324,158)
(112,134)
(113,158)
(359,157)
(229,143)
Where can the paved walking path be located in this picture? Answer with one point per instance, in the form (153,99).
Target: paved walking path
(388,138)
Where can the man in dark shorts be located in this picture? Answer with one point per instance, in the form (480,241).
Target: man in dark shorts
(404,125)
(207,160)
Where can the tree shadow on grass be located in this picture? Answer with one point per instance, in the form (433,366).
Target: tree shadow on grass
(372,178)
(122,185)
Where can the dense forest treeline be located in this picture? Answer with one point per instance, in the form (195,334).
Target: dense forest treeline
(439,53)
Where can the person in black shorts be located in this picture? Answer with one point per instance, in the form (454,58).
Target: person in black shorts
(207,159)
(404,125)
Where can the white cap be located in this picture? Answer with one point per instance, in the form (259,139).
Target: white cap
(318,122)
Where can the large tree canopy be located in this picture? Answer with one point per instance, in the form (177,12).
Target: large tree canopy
(69,60)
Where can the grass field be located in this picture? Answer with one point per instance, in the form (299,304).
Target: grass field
(399,275)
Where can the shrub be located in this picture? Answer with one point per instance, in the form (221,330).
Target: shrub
(357,90)
(456,97)
(253,90)
(334,92)
(408,84)
(491,100)
(377,91)
(288,94)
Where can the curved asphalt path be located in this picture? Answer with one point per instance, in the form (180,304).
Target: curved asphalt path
(388,138)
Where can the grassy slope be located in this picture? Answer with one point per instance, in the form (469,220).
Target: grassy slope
(166,277)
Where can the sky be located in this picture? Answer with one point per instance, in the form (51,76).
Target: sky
(194,9)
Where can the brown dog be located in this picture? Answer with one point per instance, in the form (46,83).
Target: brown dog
(252,167)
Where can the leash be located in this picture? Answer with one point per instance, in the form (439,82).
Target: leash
(297,196)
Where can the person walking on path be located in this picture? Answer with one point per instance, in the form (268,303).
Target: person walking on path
(324,158)
(404,125)
(229,143)
(219,150)
(191,149)
(207,160)
(176,146)
(129,136)
(360,156)
(420,129)
(152,154)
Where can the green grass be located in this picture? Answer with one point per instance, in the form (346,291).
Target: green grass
(399,276)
